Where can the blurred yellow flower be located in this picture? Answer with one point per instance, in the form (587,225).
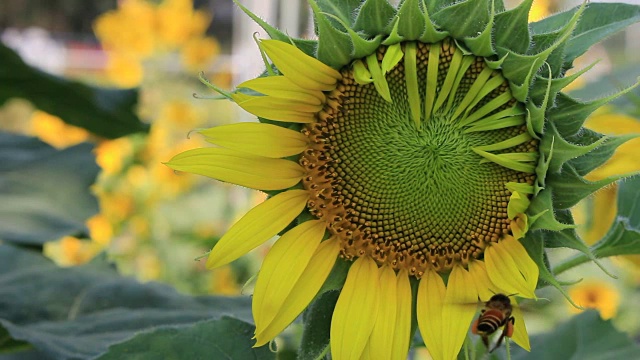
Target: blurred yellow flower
(595,294)
(200,22)
(71,251)
(110,154)
(124,70)
(223,282)
(539,10)
(625,159)
(198,53)
(116,206)
(139,226)
(54,131)
(175,21)
(597,213)
(130,29)
(181,114)
(100,229)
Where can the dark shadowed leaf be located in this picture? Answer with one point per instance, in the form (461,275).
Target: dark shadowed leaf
(77,313)
(105,112)
(225,338)
(44,192)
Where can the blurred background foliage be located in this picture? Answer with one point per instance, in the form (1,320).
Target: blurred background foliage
(134,63)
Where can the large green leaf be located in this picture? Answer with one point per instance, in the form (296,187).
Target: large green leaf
(585,337)
(44,192)
(106,112)
(77,313)
(225,338)
(599,21)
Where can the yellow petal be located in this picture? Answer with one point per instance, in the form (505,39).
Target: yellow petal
(355,313)
(504,272)
(281,269)
(430,302)
(305,289)
(402,336)
(523,261)
(484,286)
(272,108)
(258,139)
(383,334)
(252,171)
(302,69)
(520,335)
(458,311)
(283,87)
(257,226)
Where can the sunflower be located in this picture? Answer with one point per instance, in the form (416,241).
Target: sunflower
(415,144)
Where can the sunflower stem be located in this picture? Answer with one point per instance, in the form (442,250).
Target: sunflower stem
(508,348)
(570,263)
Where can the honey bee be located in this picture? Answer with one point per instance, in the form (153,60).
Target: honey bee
(496,314)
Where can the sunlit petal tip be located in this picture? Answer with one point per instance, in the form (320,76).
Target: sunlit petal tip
(355,313)
(384,330)
(302,69)
(257,226)
(520,335)
(305,289)
(431,294)
(281,269)
(510,267)
(457,314)
(402,335)
(484,286)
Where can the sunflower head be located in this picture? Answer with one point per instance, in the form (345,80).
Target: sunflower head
(429,141)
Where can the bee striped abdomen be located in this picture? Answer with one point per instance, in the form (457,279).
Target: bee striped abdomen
(490,321)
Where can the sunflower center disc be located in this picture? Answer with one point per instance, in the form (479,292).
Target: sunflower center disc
(408,194)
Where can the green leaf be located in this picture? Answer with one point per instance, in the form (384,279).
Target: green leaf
(225,338)
(78,312)
(411,22)
(464,19)
(534,244)
(108,113)
(569,187)
(44,193)
(317,326)
(585,336)
(623,237)
(334,47)
(343,9)
(599,21)
(621,77)
(586,163)
(375,17)
(511,29)
(563,151)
